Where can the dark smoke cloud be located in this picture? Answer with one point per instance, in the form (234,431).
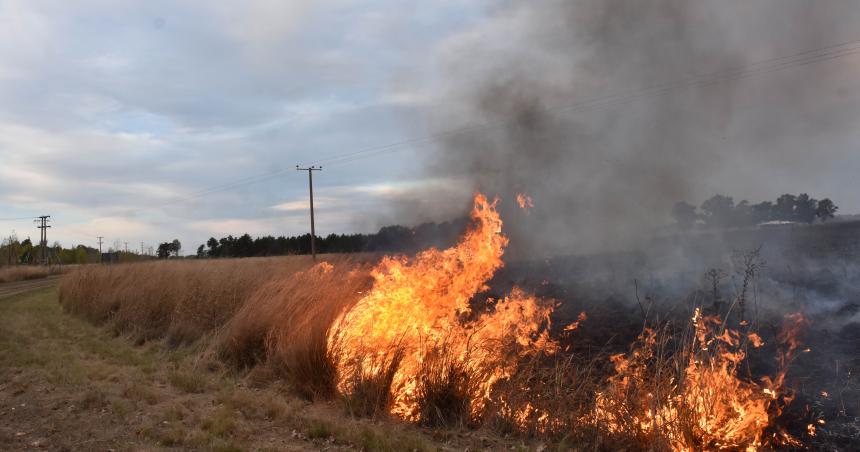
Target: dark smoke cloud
(607,176)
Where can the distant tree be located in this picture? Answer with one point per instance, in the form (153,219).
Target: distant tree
(201,251)
(762,212)
(212,243)
(784,208)
(718,210)
(825,209)
(391,238)
(25,251)
(743,214)
(805,208)
(164,250)
(684,214)
(244,246)
(167,248)
(175,246)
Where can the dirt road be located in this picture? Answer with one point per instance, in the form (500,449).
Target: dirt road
(19,287)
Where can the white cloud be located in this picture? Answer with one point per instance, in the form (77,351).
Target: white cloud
(113,114)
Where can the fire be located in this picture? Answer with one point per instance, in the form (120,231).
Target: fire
(422,345)
(525,202)
(418,315)
(702,405)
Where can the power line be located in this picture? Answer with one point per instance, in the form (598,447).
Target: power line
(19,218)
(766,66)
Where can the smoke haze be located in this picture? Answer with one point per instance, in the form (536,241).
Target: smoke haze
(552,81)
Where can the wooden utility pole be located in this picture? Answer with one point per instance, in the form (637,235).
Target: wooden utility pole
(100,248)
(310,171)
(43,239)
(11,243)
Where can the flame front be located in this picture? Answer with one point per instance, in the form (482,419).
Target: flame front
(418,327)
(703,405)
(418,312)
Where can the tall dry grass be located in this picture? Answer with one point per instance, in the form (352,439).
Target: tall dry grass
(278,313)
(287,322)
(26,272)
(178,300)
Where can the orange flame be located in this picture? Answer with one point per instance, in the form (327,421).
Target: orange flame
(705,405)
(420,313)
(525,202)
(419,308)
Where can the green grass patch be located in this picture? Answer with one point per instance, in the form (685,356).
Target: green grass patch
(192,383)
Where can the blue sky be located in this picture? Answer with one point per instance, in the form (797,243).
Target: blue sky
(112,113)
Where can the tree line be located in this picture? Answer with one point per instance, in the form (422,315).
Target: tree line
(394,238)
(721,211)
(24,252)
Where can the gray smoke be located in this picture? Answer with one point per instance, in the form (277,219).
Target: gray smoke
(551,80)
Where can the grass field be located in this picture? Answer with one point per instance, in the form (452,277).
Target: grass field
(69,385)
(421,340)
(26,272)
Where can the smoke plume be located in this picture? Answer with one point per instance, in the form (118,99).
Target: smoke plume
(563,100)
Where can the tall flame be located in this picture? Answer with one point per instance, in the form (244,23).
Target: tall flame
(672,393)
(419,309)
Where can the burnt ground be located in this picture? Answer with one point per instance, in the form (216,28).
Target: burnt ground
(814,270)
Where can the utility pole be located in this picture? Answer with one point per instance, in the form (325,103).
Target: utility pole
(126,247)
(141,249)
(310,171)
(100,248)
(43,239)
(10,251)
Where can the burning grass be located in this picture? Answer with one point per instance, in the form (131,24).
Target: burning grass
(406,337)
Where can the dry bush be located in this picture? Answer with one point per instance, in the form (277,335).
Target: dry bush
(548,397)
(445,390)
(25,272)
(369,393)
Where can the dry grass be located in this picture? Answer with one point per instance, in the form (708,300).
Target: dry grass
(26,272)
(273,317)
(178,300)
(287,322)
(277,310)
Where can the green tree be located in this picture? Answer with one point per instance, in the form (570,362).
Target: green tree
(762,212)
(784,208)
(175,246)
(212,243)
(718,210)
(684,214)
(805,208)
(825,209)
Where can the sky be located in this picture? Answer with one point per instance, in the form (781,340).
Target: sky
(114,116)
(145,121)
